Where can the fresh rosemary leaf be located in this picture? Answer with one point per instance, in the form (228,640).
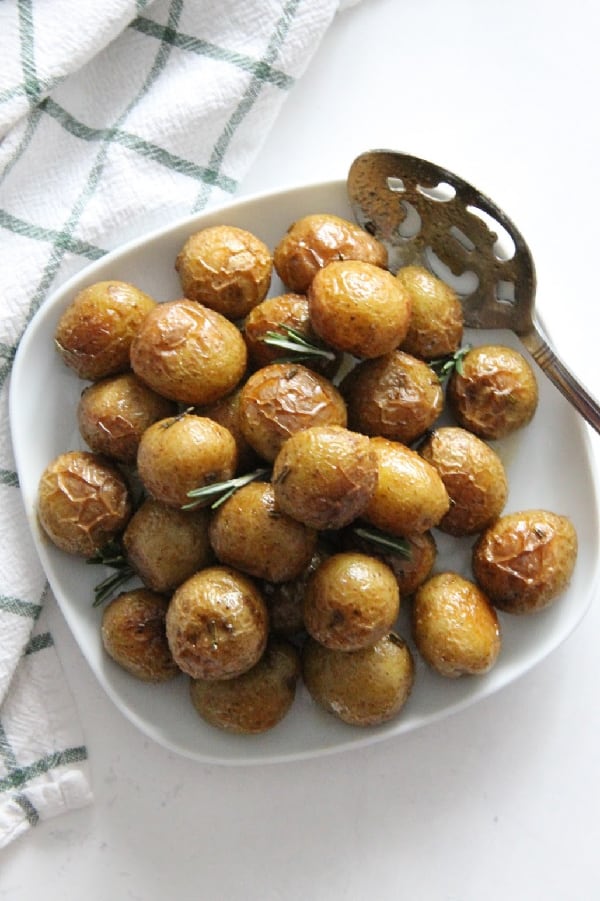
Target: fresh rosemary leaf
(389,543)
(202,496)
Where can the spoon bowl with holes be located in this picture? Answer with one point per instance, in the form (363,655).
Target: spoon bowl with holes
(427,215)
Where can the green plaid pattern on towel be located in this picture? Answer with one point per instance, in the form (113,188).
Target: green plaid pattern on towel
(141,113)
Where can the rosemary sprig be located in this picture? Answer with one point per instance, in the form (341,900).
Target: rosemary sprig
(444,366)
(224,490)
(389,543)
(111,555)
(300,345)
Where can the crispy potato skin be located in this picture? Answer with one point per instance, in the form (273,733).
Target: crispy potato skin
(225,268)
(165,545)
(436,322)
(282,399)
(395,396)
(83,502)
(134,635)
(217,624)
(184,452)
(188,352)
(316,240)
(525,560)
(359,308)
(324,476)
(255,701)
(249,533)
(455,627)
(114,413)
(495,393)
(474,477)
(95,332)
(351,601)
(410,496)
(364,687)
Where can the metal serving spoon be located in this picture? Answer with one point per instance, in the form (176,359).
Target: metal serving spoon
(426,215)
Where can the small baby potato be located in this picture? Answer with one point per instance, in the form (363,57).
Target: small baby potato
(95,332)
(325,476)
(359,308)
(134,635)
(275,314)
(436,322)
(114,413)
(495,393)
(165,546)
(189,353)
(474,477)
(410,496)
(217,624)
(351,601)
(316,240)
(225,268)
(282,399)
(362,688)
(83,502)
(249,533)
(255,701)
(395,396)
(184,452)
(455,628)
(226,412)
(525,560)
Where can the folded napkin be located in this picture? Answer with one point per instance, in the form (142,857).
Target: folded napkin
(115,118)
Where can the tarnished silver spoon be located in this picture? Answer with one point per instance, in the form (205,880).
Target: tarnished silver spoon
(427,215)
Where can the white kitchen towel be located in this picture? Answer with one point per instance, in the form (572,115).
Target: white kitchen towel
(115,118)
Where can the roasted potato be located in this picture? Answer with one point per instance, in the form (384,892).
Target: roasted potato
(189,353)
(474,477)
(436,321)
(494,393)
(95,332)
(359,308)
(455,627)
(316,240)
(225,268)
(83,502)
(362,688)
(525,560)
(134,635)
(217,624)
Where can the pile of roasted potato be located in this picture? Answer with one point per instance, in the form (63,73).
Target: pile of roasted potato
(273,472)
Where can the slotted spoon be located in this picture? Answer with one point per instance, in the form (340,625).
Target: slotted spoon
(426,215)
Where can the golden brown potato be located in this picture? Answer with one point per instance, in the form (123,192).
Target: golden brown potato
(113,414)
(316,240)
(364,687)
(134,635)
(95,332)
(351,601)
(395,396)
(525,560)
(410,496)
(189,353)
(455,628)
(165,546)
(495,392)
(225,268)
(282,399)
(251,534)
(184,452)
(217,624)
(436,321)
(226,412)
(474,477)
(83,502)
(275,314)
(325,476)
(255,701)
(359,308)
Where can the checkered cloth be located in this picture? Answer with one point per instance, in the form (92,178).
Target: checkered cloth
(115,118)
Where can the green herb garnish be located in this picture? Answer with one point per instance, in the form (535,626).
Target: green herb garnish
(389,543)
(444,366)
(301,347)
(111,555)
(223,490)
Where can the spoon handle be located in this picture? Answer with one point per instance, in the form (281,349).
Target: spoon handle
(544,355)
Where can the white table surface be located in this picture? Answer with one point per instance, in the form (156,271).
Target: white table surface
(500,801)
